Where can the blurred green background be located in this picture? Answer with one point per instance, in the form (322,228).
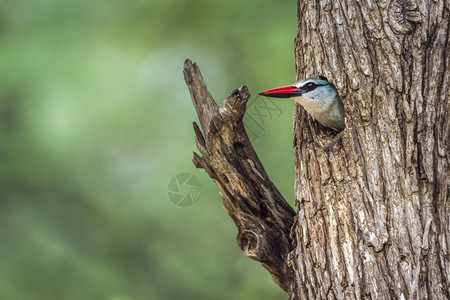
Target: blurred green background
(95,121)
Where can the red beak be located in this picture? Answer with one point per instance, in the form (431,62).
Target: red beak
(282,92)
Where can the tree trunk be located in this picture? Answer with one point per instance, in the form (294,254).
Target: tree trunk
(373,202)
(373,218)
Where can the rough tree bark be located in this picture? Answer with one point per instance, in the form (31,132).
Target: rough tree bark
(373,210)
(373,219)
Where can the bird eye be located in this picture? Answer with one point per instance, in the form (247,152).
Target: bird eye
(310,86)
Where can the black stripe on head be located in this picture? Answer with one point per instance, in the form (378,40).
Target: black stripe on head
(310,86)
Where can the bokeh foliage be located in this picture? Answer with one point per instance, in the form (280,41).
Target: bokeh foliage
(95,119)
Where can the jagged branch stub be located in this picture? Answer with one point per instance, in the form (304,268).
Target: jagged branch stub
(262,216)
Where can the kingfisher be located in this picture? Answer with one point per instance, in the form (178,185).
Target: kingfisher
(318,97)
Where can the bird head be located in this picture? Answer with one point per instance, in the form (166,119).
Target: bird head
(319,97)
(308,92)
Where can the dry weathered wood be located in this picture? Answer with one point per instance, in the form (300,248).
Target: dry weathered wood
(373,209)
(263,218)
(373,218)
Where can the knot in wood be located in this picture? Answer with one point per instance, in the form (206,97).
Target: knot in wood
(248,242)
(403,16)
